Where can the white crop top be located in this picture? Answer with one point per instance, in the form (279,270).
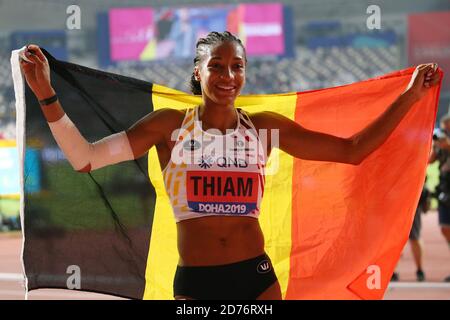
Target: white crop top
(210,173)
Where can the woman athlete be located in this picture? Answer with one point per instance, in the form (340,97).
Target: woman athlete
(221,255)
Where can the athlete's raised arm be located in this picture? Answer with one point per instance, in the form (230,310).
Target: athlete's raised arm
(301,142)
(311,145)
(82,155)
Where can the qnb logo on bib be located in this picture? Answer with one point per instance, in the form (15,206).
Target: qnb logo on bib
(207,161)
(222,192)
(264,266)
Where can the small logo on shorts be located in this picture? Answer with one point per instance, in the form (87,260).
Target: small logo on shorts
(264,266)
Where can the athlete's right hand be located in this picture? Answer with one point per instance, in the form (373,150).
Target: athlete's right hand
(37,72)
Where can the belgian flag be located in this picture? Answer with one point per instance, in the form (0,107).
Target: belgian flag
(333,231)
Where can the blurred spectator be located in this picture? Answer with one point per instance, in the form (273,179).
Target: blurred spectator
(9,223)
(441,153)
(414,235)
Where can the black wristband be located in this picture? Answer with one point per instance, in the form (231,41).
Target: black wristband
(48,101)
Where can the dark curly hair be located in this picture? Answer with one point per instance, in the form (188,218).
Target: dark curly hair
(212,38)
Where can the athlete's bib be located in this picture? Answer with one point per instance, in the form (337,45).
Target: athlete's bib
(211,173)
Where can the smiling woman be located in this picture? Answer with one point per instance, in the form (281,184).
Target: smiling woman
(219,76)
(217,202)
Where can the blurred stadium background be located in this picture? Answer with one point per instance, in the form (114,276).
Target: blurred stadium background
(314,44)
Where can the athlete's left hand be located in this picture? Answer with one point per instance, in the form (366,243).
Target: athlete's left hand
(424,77)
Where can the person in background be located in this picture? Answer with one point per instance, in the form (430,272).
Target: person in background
(414,235)
(441,153)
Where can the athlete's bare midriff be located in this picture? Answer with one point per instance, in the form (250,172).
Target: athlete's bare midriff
(217,240)
(213,240)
